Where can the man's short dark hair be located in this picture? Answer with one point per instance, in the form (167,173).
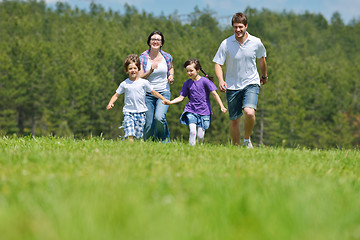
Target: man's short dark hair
(239,18)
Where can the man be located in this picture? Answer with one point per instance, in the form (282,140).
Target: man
(242,83)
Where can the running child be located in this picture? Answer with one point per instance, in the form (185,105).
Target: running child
(197,112)
(135,89)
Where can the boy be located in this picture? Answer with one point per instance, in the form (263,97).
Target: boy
(135,89)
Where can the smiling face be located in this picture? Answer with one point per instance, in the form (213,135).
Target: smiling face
(132,71)
(239,30)
(192,72)
(155,41)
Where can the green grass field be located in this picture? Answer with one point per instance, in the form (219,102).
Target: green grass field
(54,188)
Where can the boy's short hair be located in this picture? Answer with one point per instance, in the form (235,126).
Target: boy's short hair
(132,58)
(239,18)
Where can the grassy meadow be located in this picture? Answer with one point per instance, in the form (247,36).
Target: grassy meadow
(61,188)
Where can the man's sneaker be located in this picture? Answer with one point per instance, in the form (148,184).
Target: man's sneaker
(248,144)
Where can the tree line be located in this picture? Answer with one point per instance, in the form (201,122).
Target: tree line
(59,67)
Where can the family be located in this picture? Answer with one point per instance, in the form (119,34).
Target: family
(147,89)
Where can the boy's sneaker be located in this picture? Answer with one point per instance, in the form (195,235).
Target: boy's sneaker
(248,144)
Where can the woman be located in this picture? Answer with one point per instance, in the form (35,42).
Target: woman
(156,66)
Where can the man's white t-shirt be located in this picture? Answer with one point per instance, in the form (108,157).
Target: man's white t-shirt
(135,91)
(240,59)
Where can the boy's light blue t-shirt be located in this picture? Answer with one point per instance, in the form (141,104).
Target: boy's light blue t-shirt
(135,91)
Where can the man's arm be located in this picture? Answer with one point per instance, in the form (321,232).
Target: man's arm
(263,67)
(220,77)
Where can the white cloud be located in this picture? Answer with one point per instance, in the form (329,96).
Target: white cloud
(53,1)
(347,8)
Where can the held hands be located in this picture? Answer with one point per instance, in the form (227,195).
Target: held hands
(166,102)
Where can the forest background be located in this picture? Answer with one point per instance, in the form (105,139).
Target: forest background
(59,67)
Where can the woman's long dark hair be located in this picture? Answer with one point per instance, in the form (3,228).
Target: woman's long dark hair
(197,64)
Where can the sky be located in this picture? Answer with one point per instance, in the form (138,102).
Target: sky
(348,9)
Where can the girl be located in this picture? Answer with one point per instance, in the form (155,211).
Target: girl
(197,112)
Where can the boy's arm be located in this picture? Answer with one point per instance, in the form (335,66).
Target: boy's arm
(166,101)
(112,100)
(218,99)
(158,95)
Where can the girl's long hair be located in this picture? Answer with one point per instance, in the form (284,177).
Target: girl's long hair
(197,64)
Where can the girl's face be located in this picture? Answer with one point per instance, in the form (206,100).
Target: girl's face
(192,72)
(132,71)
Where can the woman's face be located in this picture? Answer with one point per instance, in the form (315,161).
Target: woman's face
(155,41)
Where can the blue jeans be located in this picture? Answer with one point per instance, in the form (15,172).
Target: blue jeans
(239,99)
(156,127)
(200,120)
